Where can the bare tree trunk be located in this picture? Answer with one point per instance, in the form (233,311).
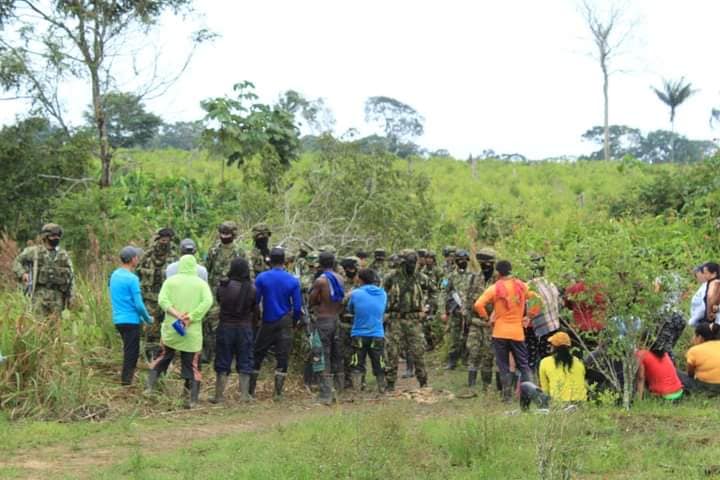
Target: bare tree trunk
(100,123)
(606,125)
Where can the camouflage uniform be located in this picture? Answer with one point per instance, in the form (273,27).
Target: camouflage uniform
(449,266)
(307,278)
(479,341)
(432,327)
(458,282)
(404,325)
(378,265)
(217,263)
(346,323)
(52,280)
(151,271)
(259,260)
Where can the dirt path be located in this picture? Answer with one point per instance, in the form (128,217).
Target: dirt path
(84,458)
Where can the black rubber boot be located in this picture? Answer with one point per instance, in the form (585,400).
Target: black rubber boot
(279,382)
(472,378)
(422,381)
(506,380)
(244,387)
(151,381)
(380,380)
(452,362)
(253,383)
(325,396)
(357,382)
(486,378)
(389,386)
(194,394)
(221,380)
(339,379)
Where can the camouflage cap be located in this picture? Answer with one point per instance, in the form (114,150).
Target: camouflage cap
(51,229)
(328,249)
(431,254)
(486,253)
(261,229)
(449,250)
(537,257)
(422,252)
(407,252)
(379,252)
(228,226)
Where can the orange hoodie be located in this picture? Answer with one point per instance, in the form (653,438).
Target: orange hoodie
(508,296)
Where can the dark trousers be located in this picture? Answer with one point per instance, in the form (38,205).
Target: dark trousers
(278,336)
(329,331)
(189,366)
(502,348)
(696,386)
(233,342)
(130,334)
(374,347)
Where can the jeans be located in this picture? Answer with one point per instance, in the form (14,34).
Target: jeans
(502,348)
(278,336)
(233,342)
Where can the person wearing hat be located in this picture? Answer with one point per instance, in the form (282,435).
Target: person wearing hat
(362,257)
(279,294)
(186,298)
(432,325)
(479,341)
(46,273)
(449,254)
(562,376)
(187,247)
(151,271)
(406,309)
(455,303)
(128,309)
(260,254)
(226,249)
(378,264)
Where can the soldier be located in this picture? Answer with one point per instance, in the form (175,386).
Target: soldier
(226,249)
(152,274)
(449,254)
(46,273)
(406,305)
(454,301)
(301,262)
(362,257)
(310,377)
(260,256)
(409,362)
(378,264)
(480,354)
(349,272)
(433,326)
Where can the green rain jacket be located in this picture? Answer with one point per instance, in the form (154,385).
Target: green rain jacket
(186,292)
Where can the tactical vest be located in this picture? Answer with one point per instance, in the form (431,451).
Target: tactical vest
(53,273)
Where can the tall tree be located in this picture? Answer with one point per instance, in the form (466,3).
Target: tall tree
(313,116)
(51,42)
(128,123)
(673,94)
(400,122)
(608,32)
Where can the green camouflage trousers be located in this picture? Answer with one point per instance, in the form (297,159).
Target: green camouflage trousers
(404,331)
(209,326)
(479,347)
(152,332)
(347,346)
(48,302)
(456,345)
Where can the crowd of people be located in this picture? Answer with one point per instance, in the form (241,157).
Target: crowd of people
(239,308)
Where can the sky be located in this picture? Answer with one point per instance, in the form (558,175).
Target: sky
(515,76)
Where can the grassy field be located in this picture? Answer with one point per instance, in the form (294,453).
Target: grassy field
(413,434)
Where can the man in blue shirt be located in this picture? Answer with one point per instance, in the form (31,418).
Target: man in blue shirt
(278,292)
(367,303)
(128,309)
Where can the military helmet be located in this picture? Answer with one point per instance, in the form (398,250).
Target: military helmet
(361,254)
(537,258)
(261,229)
(165,232)
(228,227)
(394,260)
(422,252)
(431,254)
(460,254)
(50,229)
(449,250)
(349,263)
(328,249)
(379,253)
(486,254)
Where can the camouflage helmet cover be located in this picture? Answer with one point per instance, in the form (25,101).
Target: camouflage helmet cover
(261,229)
(449,250)
(486,254)
(462,254)
(228,227)
(51,229)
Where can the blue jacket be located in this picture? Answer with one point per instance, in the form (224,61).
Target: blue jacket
(368,303)
(279,294)
(127,302)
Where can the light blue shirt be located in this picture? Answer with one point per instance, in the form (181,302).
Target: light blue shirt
(126,300)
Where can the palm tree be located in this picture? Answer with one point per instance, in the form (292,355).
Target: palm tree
(673,94)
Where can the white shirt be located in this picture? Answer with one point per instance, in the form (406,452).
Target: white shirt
(697,306)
